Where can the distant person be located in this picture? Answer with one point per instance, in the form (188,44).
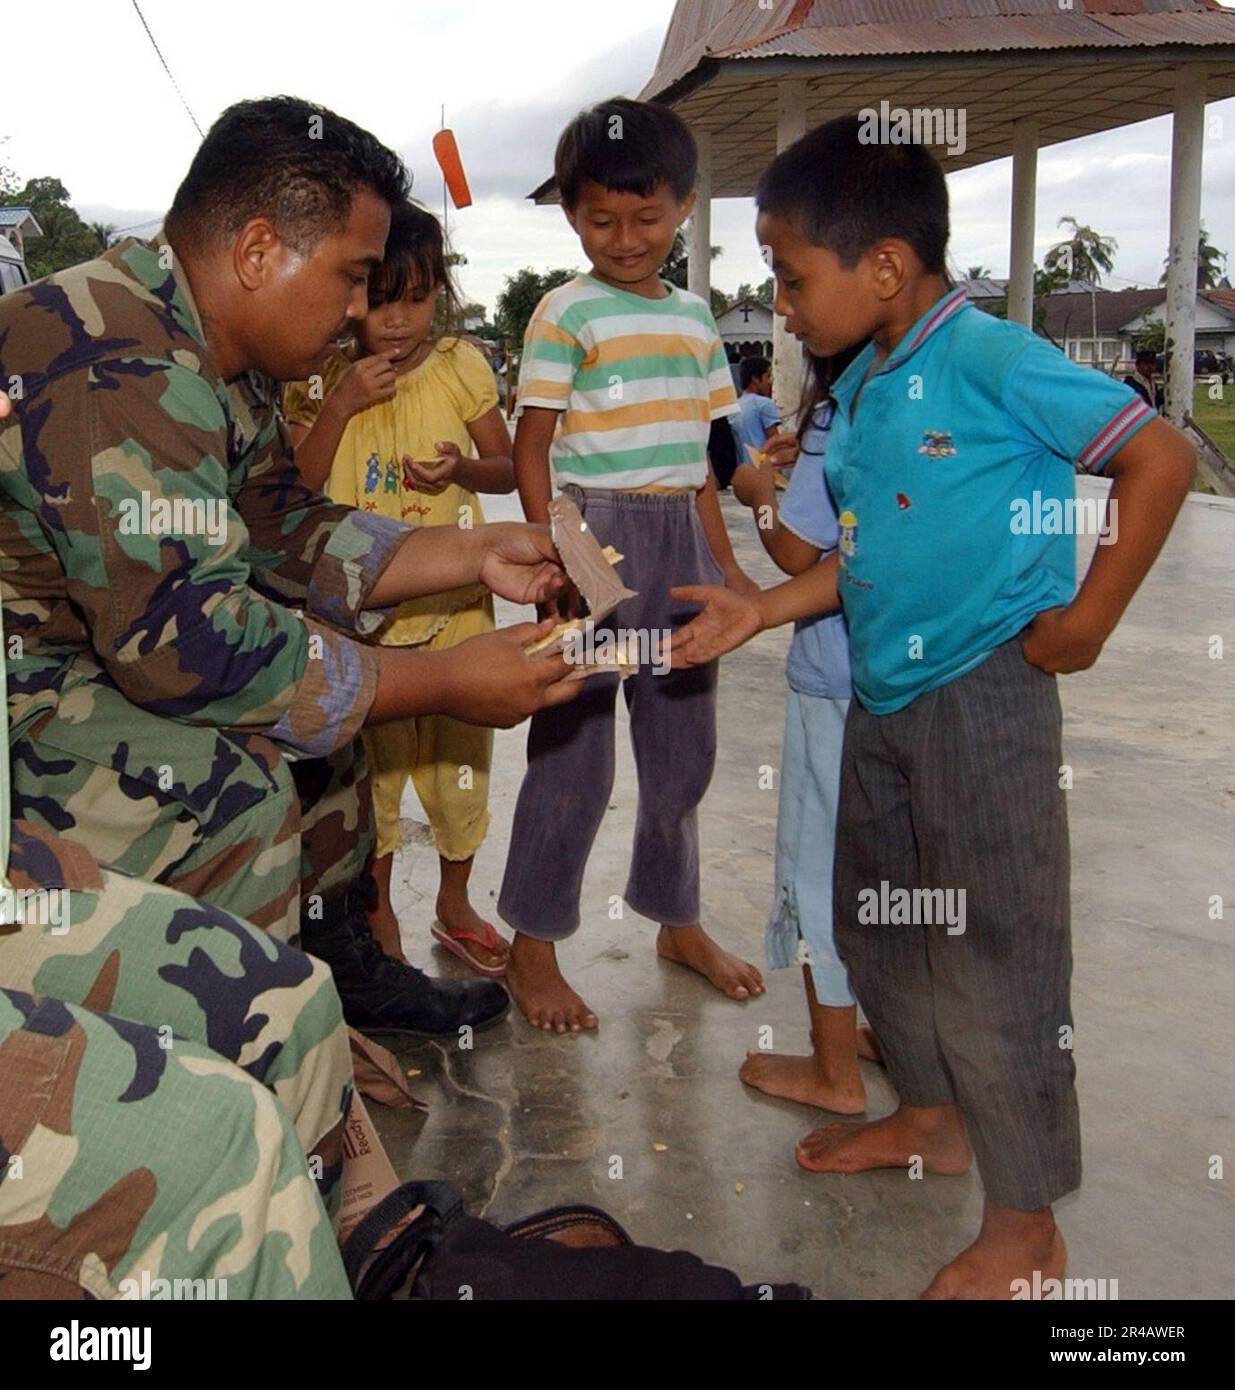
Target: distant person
(634,372)
(759,418)
(1144,379)
(952,867)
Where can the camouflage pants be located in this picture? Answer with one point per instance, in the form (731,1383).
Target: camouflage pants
(220,815)
(164,1070)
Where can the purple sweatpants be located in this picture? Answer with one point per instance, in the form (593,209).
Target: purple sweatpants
(570,748)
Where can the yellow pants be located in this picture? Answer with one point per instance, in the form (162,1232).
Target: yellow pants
(447,761)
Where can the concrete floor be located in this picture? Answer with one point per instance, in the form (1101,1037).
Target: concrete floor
(525,1120)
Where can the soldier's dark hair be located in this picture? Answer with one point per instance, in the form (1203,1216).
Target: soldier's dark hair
(845,195)
(292,161)
(752,369)
(627,147)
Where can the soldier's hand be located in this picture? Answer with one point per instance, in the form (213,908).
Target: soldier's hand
(495,682)
(365,383)
(520,562)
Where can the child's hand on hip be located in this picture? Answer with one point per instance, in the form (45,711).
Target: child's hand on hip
(1057,642)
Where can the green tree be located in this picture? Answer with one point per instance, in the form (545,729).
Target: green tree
(66,239)
(1083,255)
(518,300)
(764,294)
(677,267)
(1210,264)
(1151,337)
(104,231)
(8,179)
(1044,282)
(977,272)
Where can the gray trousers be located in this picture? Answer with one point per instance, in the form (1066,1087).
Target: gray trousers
(570,748)
(960,790)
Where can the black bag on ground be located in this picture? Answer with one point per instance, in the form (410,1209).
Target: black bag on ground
(576,1252)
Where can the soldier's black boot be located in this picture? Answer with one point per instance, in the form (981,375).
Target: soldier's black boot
(382,995)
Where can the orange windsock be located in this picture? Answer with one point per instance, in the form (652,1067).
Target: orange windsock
(447,152)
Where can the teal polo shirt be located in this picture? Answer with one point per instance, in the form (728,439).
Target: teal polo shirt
(954,486)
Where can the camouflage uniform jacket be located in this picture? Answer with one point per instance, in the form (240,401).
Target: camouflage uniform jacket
(154,530)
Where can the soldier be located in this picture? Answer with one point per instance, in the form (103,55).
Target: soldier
(190,671)
(164,1071)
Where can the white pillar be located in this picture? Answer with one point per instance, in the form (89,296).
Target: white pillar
(788,367)
(1024,200)
(1187,144)
(699,233)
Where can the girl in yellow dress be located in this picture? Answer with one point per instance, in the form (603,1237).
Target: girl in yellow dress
(409,427)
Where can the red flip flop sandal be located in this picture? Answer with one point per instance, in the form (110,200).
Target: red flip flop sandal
(488,938)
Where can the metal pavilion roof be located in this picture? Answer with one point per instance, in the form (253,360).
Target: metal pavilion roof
(1093,67)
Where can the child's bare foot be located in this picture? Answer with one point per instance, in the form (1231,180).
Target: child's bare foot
(868,1044)
(383,922)
(481,946)
(694,948)
(800,1079)
(1010,1246)
(934,1135)
(537,985)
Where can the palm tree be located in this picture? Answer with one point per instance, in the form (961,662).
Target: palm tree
(675,267)
(1083,256)
(104,231)
(1209,263)
(977,272)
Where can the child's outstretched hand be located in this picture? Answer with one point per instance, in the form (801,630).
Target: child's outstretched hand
(1057,643)
(728,619)
(433,475)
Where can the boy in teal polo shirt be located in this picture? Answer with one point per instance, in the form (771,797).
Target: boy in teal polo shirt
(951,461)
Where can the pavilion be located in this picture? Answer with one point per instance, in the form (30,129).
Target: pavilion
(751,76)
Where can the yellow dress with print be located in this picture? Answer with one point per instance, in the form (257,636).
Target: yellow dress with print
(435,401)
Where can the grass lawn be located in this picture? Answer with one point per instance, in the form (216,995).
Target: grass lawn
(1217,418)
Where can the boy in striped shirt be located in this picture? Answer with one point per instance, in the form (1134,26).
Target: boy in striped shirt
(622,375)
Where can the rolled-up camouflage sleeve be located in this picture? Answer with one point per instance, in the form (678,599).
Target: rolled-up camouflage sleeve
(306,549)
(159,561)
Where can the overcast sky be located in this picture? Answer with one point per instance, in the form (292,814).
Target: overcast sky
(511,73)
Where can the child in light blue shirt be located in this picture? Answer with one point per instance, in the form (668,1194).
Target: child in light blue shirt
(797,530)
(759,416)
